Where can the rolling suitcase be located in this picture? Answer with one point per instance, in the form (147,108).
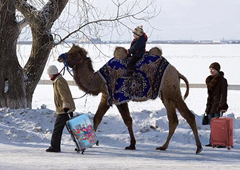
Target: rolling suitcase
(222,132)
(82,132)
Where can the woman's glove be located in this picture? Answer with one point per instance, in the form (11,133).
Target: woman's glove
(66,110)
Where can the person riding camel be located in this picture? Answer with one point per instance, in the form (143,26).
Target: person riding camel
(136,50)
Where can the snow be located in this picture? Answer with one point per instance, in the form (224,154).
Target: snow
(26,133)
(190,59)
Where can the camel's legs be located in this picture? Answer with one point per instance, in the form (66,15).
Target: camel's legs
(173,122)
(102,109)
(190,118)
(124,111)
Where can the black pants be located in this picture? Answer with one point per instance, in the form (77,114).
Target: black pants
(132,63)
(58,129)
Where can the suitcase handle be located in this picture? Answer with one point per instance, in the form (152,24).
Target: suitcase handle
(68,113)
(221,114)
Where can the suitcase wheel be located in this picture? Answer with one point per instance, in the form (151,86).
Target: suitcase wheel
(229,147)
(77,150)
(97,143)
(83,151)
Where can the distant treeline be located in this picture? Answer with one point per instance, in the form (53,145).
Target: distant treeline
(151,42)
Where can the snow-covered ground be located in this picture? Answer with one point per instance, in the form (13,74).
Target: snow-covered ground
(26,133)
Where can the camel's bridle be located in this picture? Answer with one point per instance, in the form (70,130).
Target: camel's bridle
(66,65)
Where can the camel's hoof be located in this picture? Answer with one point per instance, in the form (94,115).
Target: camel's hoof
(97,143)
(161,148)
(199,150)
(130,148)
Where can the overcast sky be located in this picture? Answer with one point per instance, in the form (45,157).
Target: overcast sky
(194,19)
(177,20)
(199,19)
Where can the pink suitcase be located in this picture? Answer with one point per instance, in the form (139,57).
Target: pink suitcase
(222,132)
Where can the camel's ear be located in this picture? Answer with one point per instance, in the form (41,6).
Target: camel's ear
(120,53)
(83,52)
(155,51)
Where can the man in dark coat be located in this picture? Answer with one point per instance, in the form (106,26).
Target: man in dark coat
(217,93)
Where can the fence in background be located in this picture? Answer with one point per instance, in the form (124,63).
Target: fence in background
(47,82)
(230,87)
(72,83)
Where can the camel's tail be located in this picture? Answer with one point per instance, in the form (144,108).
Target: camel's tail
(187,84)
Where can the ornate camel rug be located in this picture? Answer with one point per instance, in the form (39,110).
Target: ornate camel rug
(145,83)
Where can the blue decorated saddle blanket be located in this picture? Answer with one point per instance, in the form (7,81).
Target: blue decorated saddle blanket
(144,84)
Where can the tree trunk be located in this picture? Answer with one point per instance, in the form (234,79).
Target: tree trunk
(11,73)
(17,84)
(41,49)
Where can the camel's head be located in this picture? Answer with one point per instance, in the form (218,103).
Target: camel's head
(74,56)
(120,53)
(155,51)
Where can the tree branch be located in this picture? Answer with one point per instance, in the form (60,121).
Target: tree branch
(121,13)
(52,10)
(26,9)
(43,18)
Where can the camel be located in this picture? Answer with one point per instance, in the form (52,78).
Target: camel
(91,82)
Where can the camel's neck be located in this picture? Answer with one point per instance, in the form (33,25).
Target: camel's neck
(86,79)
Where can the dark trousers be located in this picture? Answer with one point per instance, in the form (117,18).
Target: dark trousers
(132,62)
(58,129)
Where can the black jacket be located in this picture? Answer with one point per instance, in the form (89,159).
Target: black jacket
(138,46)
(217,93)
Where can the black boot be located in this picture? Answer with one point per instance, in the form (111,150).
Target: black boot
(220,146)
(209,145)
(128,74)
(130,68)
(51,149)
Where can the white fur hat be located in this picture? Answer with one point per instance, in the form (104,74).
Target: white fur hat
(52,69)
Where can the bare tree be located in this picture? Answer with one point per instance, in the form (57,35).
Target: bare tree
(48,29)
